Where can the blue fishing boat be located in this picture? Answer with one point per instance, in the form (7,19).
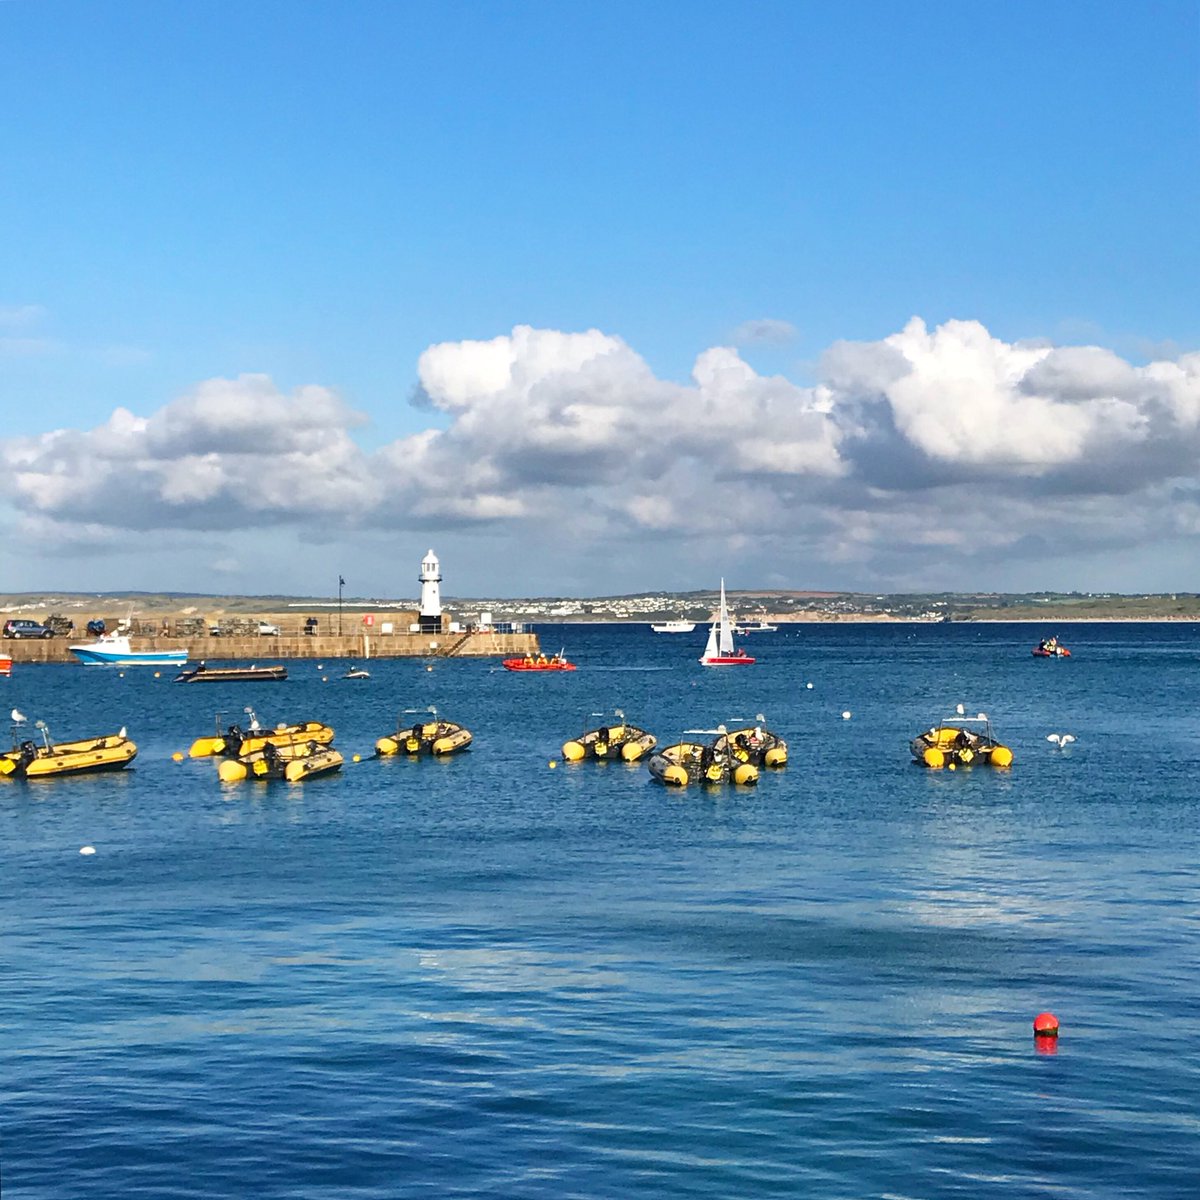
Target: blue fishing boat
(114,650)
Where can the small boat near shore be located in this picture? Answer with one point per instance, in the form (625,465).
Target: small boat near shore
(202,673)
(30,760)
(953,744)
(115,650)
(676,626)
(538,662)
(687,763)
(618,741)
(1050,648)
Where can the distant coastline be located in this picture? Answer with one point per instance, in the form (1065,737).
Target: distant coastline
(776,607)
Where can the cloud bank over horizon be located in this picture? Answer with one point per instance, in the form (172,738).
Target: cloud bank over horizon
(921,460)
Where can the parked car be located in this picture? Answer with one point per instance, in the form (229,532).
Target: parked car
(266,629)
(26,629)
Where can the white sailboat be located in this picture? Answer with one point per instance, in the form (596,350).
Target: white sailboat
(719,652)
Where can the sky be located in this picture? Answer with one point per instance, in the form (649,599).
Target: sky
(599,298)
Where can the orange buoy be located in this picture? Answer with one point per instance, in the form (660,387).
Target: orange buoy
(1045,1025)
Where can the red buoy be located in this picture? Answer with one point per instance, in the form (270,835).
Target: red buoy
(1045,1025)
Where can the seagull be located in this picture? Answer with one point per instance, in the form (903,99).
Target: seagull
(1061,740)
(960,710)
(19,718)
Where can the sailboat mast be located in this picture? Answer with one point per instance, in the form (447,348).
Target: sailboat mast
(726,631)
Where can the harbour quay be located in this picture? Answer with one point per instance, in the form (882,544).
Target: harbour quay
(474,643)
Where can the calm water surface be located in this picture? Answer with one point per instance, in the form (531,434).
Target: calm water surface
(487,977)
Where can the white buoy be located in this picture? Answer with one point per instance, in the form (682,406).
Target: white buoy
(846,715)
(86,850)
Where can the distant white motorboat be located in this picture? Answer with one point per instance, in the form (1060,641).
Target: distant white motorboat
(755,627)
(679,626)
(114,650)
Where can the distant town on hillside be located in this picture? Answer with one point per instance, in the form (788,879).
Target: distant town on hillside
(749,605)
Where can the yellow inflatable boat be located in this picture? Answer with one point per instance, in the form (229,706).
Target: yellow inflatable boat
(434,737)
(236,741)
(31,760)
(692,763)
(754,744)
(619,741)
(294,763)
(954,744)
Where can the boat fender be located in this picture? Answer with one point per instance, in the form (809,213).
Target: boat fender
(675,774)
(745,774)
(386,745)
(1001,756)
(231,771)
(775,757)
(573,751)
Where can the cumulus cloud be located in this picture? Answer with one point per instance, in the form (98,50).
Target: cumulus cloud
(926,448)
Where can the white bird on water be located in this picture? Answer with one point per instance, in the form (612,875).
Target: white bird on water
(1061,740)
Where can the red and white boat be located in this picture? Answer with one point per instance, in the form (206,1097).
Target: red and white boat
(1050,648)
(720,650)
(5,665)
(538,662)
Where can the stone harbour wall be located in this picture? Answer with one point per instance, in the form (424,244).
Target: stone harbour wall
(363,645)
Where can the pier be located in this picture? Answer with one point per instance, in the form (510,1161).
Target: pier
(364,644)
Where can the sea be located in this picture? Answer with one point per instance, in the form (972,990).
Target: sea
(502,975)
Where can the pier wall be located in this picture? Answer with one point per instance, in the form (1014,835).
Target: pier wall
(363,645)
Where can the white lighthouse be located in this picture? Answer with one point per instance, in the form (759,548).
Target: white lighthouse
(431,596)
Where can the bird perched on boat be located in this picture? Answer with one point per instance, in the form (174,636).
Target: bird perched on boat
(19,718)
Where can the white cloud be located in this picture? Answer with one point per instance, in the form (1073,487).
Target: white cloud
(930,450)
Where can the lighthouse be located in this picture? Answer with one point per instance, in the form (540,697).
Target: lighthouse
(431,597)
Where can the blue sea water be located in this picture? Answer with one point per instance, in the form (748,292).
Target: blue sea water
(488,977)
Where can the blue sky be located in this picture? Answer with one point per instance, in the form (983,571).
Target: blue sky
(316,195)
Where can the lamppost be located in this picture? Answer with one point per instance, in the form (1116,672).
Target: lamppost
(341,584)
